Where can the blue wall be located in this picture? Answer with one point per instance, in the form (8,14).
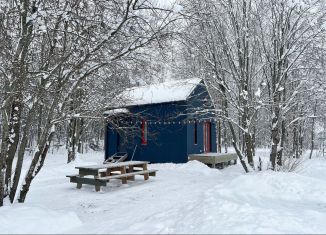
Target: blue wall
(166,143)
(198,101)
(199,147)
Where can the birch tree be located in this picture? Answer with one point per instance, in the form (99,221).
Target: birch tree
(227,43)
(258,56)
(286,38)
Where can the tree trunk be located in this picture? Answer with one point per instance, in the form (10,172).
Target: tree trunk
(40,154)
(312,146)
(225,137)
(239,135)
(219,144)
(2,177)
(254,141)
(13,140)
(280,151)
(283,130)
(275,135)
(249,148)
(3,150)
(21,152)
(19,75)
(72,141)
(79,137)
(234,135)
(301,137)
(36,166)
(39,127)
(238,151)
(294,139)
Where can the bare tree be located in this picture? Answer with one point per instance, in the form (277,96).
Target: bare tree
(61,46)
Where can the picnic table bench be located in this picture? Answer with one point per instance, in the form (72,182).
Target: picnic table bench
(100,175)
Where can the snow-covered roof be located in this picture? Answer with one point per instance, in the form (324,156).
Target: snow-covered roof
(113,112)
(168,91)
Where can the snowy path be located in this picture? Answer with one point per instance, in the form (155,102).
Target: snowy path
(183,198)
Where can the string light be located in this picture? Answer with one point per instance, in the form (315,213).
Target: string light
(183,122)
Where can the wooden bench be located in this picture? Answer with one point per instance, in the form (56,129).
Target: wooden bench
(102,181)
(130,176)
(150,172)
(80,180)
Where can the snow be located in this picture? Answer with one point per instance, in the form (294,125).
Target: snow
(36,220)
(168,91)
(177,8)
(116,111)
(280,89)
(43,28)
(258,92)
(182,198)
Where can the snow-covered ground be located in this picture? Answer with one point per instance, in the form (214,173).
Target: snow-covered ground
(182,198)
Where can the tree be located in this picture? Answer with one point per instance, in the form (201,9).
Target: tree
(286,39)
(258,61)
(61,46)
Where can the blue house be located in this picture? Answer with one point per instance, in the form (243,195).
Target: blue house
(162,122)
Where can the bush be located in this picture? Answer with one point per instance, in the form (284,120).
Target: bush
(291,164)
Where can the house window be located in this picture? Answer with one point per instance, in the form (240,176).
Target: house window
(144,132)
(195,132)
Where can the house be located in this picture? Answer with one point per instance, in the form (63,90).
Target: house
(162,122)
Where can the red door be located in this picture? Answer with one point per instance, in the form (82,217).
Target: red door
(207,137)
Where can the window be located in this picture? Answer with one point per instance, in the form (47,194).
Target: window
(195,132)
(144,131)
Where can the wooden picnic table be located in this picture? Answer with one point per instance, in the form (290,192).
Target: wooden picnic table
(99,175)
